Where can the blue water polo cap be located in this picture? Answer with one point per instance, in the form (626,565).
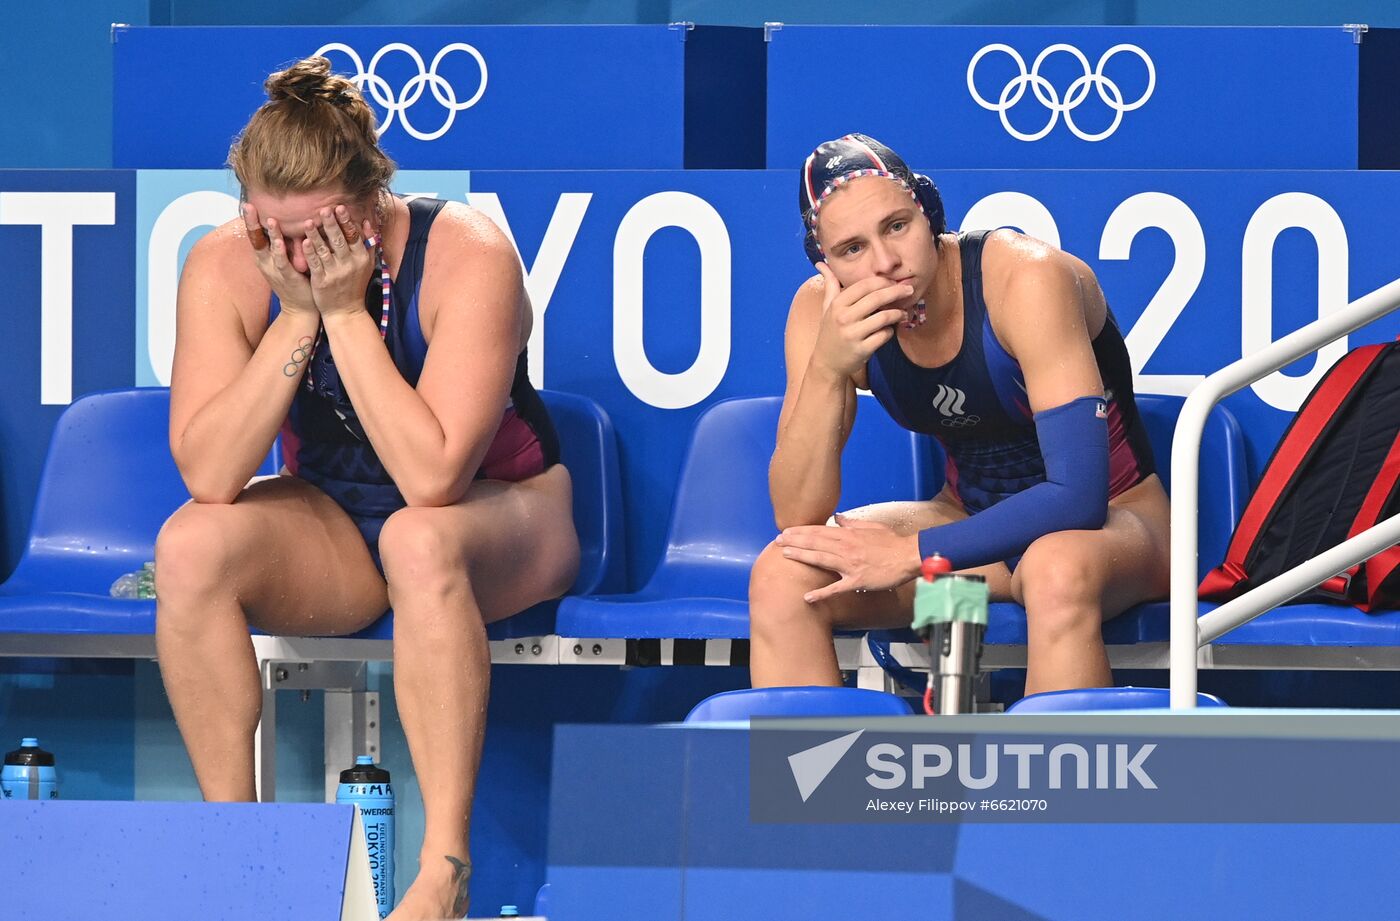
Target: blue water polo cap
(835,163)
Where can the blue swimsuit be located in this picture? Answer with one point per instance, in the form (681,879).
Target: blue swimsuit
(325,443)
(976,404)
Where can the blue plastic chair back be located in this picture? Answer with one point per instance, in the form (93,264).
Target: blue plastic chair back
(743,704)
(1104,699)
(722,516)
(107,485)
(1224,488)
(588,446)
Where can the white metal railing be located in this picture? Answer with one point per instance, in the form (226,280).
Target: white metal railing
(1188,633)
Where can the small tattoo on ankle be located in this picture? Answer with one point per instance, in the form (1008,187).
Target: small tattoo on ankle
(462,873)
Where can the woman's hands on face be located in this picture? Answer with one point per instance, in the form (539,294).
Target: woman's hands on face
(292,288)
(856,321)
(339,263)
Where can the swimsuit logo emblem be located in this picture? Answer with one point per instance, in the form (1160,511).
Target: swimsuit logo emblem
(377,89)
(1101,410)
(1047,95)
(834,162)
(949,402)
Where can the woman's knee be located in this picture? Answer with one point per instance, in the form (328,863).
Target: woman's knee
(1060,585)
(776,587)
(420,550)
(197,552)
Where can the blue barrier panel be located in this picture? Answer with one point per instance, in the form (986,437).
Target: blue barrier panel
(133,861)
(692,827)
(1200,268)
(658,293)
(68,239)
(1040,97)
(460,97)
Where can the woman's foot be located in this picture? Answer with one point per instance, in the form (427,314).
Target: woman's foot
(440,891)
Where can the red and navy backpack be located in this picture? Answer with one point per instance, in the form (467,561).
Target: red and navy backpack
(1334,474)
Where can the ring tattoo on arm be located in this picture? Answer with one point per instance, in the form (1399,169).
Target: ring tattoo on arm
(299,355)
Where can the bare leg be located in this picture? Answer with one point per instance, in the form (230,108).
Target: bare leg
(282,556)
(791,639)
(451,571)
(1070,582)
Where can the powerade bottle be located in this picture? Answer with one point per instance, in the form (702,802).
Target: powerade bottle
(29,773)
(367,786)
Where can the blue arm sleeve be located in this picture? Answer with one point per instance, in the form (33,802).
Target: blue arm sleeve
(1074,444)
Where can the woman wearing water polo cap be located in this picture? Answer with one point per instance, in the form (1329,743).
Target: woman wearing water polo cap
(1004,349)
(388,337)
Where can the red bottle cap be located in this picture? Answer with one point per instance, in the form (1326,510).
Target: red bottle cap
(935,566)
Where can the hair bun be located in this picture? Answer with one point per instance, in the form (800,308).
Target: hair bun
(310,80)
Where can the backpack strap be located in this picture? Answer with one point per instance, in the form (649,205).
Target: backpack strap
(1379,567)
(1312,419)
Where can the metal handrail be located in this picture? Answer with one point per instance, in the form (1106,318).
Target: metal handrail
(1187,632)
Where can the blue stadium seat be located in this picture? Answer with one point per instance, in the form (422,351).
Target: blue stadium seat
(744,704)
(109,483)
(722,519)
(588,447)
(1104,699)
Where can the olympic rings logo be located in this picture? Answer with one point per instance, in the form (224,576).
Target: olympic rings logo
(1048,96)
(379,90)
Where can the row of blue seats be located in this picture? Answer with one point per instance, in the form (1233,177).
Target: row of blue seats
(746,704)
(109,482)
(722,518)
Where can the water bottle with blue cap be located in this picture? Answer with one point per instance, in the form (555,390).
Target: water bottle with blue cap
(367,785)
(29,773)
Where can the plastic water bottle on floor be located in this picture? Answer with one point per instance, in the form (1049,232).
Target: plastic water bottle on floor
(29,773)
(509,911)
(367,785)
(140,584)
